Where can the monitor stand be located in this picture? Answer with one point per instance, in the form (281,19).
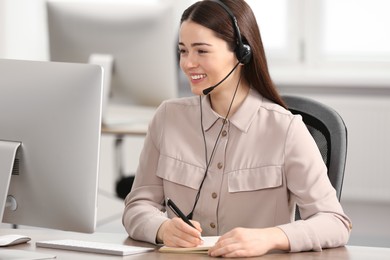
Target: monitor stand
(8,151)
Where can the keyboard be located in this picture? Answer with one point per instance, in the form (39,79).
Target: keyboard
(93,247)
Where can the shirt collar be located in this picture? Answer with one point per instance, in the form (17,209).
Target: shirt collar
(243,117)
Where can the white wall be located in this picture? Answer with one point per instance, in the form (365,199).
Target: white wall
(24,36)
(2,28)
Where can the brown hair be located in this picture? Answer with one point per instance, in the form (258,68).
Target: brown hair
(211,15)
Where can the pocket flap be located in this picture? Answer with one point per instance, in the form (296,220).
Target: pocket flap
(255,179)
(179,172)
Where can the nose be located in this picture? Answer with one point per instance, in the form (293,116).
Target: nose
(188,61)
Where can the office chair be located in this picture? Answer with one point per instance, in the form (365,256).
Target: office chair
(329,132)
(123,186)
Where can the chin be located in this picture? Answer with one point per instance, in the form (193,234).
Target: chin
(196,91)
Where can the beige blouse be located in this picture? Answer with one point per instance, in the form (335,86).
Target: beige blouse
(265,163)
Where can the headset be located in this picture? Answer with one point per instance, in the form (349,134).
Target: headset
(243,51)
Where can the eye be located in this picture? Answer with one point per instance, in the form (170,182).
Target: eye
(181,51)
(202,51)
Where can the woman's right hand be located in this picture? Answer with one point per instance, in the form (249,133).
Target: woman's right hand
(176,233)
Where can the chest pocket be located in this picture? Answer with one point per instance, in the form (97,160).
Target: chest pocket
(255,179)
(179,172)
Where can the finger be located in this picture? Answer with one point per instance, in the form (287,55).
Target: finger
(184,241)
(188,235)
(197,225)
(185,228)
(176,238)
(218,250)
(224,246)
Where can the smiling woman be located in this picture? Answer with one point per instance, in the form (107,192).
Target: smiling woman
(236,149)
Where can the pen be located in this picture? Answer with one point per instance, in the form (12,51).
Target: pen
(178,212)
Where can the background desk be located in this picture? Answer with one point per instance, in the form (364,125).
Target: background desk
(123,179)
(134,122)
(348,252)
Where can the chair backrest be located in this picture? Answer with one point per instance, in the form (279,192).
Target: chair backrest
(329,132)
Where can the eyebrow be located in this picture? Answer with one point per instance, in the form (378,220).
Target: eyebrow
(196,44)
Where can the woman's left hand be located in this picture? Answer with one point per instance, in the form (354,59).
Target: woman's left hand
(245,242)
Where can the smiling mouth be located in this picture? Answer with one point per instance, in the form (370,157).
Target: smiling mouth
(199,76)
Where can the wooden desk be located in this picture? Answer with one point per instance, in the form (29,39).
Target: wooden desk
(348,252)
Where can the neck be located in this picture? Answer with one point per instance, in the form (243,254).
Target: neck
(220,101)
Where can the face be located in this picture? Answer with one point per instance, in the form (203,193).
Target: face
(205,58)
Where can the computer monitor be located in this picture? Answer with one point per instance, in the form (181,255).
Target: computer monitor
(135,42)
(50,116)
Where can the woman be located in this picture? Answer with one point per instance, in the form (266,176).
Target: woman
(232,157)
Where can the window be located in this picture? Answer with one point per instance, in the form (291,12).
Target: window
(354,30)
(321,31)
(278,28)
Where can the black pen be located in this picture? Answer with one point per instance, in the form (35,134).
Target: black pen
(179,213)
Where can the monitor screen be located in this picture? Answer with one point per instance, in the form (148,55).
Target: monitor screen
(50,116)
(137,40)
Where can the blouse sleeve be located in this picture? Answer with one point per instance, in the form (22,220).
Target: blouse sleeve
(144,210)
(323,223)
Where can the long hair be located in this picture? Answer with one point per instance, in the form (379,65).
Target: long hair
(212,16)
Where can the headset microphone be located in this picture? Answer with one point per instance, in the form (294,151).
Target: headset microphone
(243,50)
(208,90)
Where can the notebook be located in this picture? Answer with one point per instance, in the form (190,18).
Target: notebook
(209,242)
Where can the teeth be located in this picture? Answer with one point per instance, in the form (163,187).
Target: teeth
(201,76)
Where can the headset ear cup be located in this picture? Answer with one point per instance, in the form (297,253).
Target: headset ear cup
(244,53)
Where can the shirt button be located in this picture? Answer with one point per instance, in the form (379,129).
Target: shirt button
(212,225)
(214,195)
(224,133)
(220,165)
